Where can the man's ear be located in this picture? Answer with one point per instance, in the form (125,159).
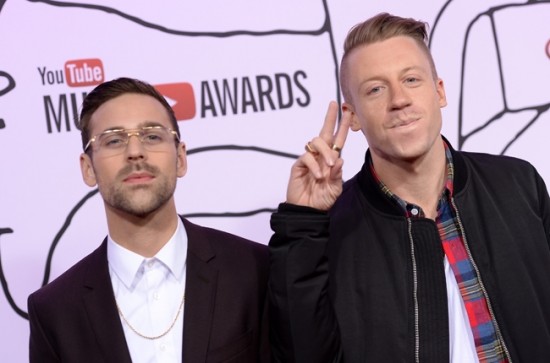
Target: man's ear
(355,125)
(181,162)
(87,170)
(440,88)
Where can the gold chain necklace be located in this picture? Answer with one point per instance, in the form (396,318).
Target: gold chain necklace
(155,337)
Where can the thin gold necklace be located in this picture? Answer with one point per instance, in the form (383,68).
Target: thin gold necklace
(155,337)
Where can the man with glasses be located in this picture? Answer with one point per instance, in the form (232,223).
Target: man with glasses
(159,288)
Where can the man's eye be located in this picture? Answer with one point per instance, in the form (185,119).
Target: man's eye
(153,137)
(113,141)
(374,90)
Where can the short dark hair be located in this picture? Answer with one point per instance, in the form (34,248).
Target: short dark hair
(378,28)
(111,89)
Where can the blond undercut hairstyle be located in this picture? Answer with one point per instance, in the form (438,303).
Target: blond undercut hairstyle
(376,29)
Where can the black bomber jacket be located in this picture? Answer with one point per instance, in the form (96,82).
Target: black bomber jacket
(363,283)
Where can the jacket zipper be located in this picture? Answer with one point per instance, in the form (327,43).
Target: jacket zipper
(497,328)
(415,296)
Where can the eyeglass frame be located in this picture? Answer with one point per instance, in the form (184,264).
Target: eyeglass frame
(130,133)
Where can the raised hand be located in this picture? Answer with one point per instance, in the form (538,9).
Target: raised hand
(316,177)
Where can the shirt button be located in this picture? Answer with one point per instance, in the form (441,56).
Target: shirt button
(156,296)
(163,347)
(414,212)
(150,263)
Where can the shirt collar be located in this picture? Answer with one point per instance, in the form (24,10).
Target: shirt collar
(449,182)
(126,264)
(409,207)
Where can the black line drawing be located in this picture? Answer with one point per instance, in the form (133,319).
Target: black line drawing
(4,282)
(325,28)
(9,87)
(188,33)
(537,110)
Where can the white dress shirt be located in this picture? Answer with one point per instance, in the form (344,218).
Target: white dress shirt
(149,293)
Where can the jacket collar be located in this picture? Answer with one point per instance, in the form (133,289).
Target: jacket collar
(200,292)
(100,305)
(371,191)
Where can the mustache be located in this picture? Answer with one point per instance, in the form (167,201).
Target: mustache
(404,117)
(128,169)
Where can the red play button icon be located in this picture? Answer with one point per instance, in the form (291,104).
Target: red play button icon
(181,97)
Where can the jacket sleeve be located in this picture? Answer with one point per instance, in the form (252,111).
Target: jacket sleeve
(40,349)
(303,322)
(265,348)
(544,200)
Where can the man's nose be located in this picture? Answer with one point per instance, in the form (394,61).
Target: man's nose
(134,147)
(399,97)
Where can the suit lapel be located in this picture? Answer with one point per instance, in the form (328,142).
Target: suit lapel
(200,293)
(100,306)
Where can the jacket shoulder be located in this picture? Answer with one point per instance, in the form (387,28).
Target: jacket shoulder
(492,160)
(496,167)
(498,175)
(69,281)
(225,245)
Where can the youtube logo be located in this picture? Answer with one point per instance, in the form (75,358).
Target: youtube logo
(180,97)
(217,98)
(84,72)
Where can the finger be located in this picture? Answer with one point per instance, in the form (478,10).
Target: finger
(309,163)
(342,132)
(323,150)
(327,132)
(336,172)
(309,148)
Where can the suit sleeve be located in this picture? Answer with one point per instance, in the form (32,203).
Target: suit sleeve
(40,348)
(303,322)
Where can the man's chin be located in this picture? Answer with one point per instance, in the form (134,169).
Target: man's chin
(138,206)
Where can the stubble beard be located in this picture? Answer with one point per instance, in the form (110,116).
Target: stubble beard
(140,200)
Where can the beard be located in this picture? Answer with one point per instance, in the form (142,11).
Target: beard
(139,200)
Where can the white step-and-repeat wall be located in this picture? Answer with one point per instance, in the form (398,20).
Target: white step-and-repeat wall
(250,82)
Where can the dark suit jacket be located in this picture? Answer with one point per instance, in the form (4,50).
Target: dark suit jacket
(74,318)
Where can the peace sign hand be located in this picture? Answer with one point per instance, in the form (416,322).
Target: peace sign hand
(316,177)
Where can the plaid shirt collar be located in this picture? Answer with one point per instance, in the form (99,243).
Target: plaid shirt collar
(411,210)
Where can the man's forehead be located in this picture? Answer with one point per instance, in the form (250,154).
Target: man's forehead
(397,53)
(129,111)
(133,126)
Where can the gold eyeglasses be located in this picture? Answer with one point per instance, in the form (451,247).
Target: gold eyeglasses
(153,138)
